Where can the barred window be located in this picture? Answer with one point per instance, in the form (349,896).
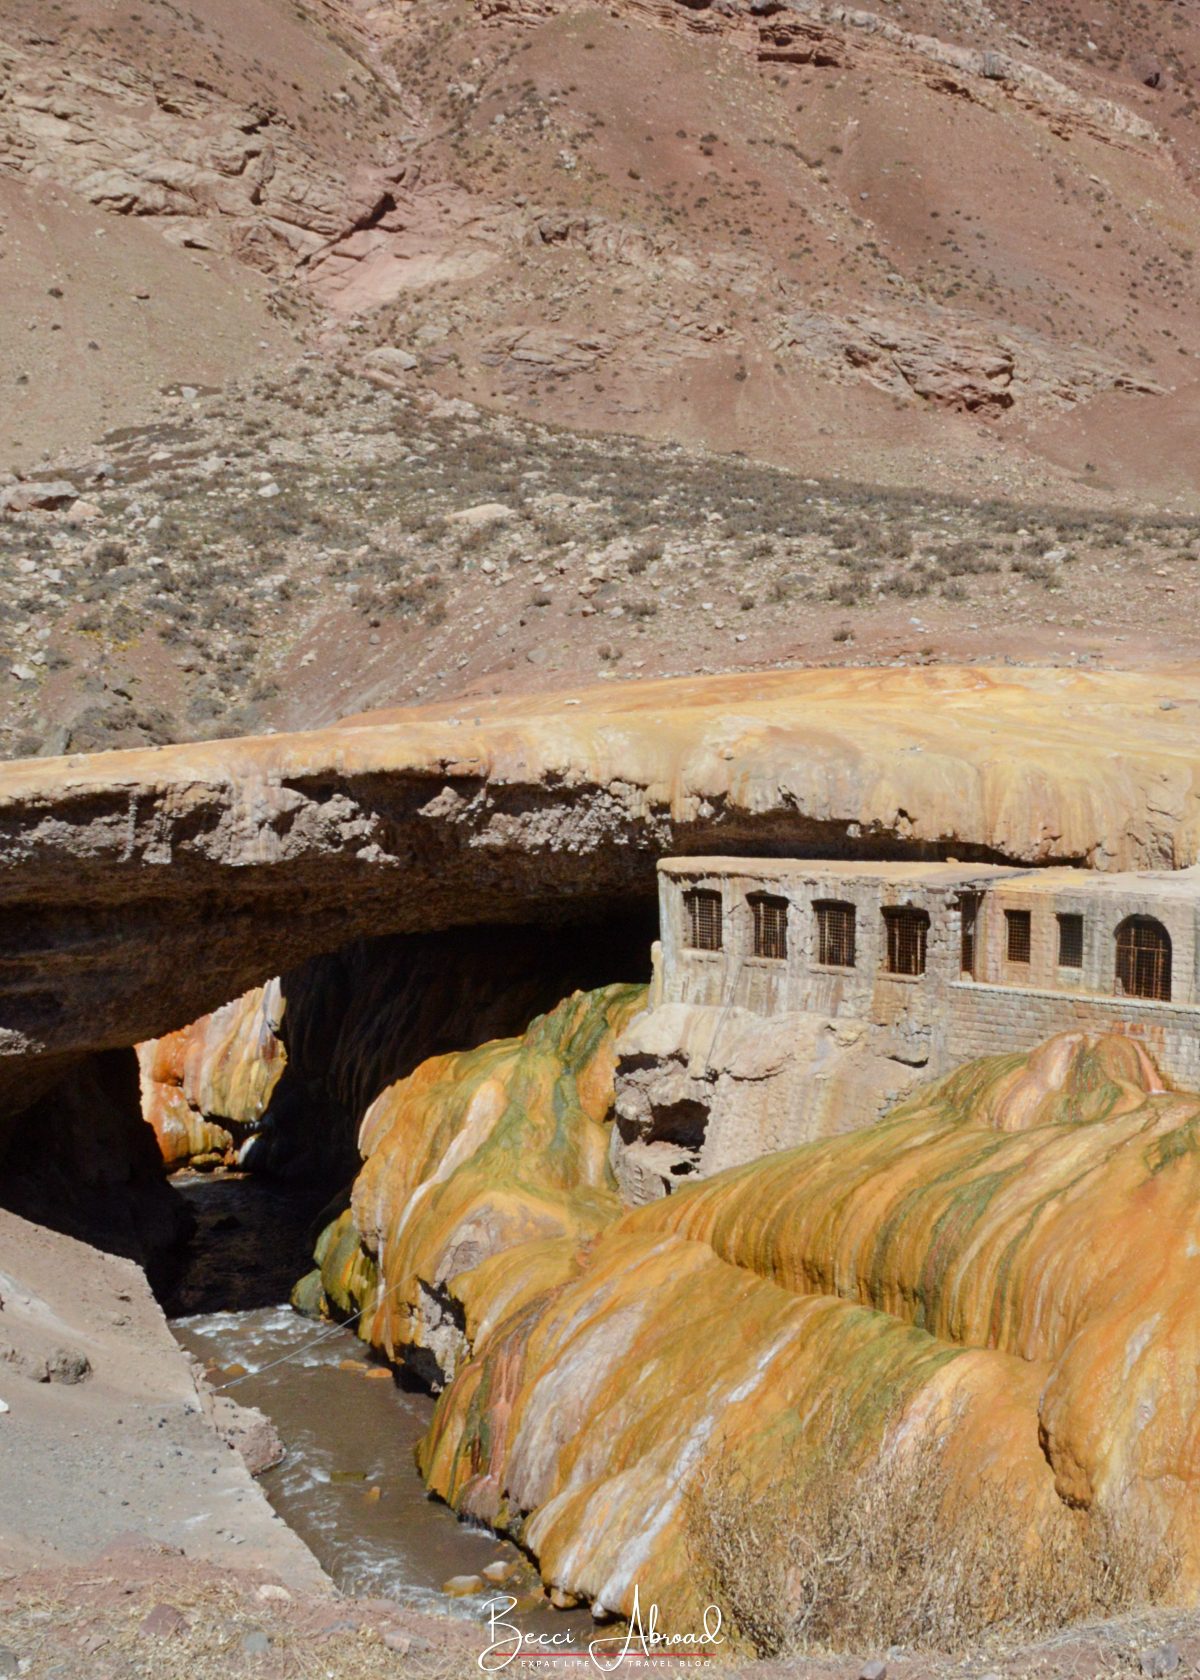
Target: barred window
(1070,941)
(968,906)
(1019,925)
(770,925)
(1144,959)
(907,937)
(836,925)
(703,909)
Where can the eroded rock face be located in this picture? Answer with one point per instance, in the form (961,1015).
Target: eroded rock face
(1006,1260)
(498,1154)
(206,1086)
(194,870)
(700,1089)
(215,173)
(926,354)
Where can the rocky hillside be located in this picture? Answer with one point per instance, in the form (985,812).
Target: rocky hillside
(775,226)
(364,354)
(284,552)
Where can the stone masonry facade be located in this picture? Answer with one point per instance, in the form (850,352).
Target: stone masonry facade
(998,958)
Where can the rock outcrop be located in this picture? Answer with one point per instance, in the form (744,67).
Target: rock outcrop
(214,172)
(196,870)
(699,1089)
(925,353)
(207,1085)
(494,1154)
(996,1274)
(1003,1267)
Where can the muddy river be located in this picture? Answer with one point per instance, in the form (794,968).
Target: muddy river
(348,1485)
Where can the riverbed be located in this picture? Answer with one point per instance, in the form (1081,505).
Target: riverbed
(348,1485)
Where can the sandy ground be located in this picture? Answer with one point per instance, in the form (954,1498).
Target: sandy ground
(129,1449)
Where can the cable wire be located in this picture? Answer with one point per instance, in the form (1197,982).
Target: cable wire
(342,1323)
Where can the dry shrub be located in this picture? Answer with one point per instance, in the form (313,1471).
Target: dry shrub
(839,1557)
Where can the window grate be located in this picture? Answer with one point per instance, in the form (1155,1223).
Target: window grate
(968,906)
(1144,959)
(1019,925)
(836,934)
(703,919)
(770,926)
(1070,941)
(907,938)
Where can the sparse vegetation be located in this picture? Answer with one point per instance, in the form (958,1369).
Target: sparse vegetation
(845,1555)
(200,586)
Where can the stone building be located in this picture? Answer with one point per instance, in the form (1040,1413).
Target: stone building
(794,998)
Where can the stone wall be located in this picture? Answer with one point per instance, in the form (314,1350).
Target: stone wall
(735,978)
(741,1055)
(1103,911)
(992,1020)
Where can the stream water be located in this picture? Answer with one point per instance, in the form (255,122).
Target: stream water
(348,1485)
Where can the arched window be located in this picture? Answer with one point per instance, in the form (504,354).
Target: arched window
(703,910)
(770,925)
(835,933)
(1144,959)
(907,935)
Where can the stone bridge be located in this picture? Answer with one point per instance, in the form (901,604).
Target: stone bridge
(140,889)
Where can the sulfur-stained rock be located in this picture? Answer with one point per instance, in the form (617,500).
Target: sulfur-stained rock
(521,810)
(223,1067)
(1003,1266)
(490,1154)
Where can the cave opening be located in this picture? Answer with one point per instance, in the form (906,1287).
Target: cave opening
(351,1023)
(265,1157)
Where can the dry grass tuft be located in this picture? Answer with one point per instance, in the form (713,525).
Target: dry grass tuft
(843,1557)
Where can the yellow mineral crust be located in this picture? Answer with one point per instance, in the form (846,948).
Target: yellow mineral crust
(1012,1256)
(511,809)
(593,1408)
(482,1153)
(222,1067)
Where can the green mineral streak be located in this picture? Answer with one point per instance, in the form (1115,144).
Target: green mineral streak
(537,1144)
(1172,1147)
(565,1040)
(349,1277)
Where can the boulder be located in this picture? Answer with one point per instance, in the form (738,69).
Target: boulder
(47,493)
(389,359)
